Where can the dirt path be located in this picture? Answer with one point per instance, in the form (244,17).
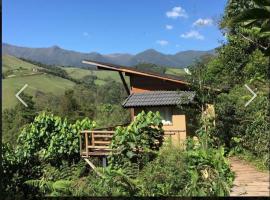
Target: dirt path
(248,180)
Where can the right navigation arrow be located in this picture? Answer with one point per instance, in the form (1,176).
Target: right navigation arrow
(254,95)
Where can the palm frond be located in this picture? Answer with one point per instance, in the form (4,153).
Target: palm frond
(262,2)
(250,15)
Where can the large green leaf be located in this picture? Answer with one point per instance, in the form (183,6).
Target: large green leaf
(252,14)
(262,2)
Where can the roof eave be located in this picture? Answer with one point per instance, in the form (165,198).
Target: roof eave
(121,69)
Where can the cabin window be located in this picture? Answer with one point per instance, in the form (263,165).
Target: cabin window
(165,112)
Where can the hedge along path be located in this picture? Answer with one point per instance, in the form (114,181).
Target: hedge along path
(248,180)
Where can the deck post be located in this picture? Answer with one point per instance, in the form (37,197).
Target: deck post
(86,144)
(93,138)
(124,83)
(81,144)
(104,161)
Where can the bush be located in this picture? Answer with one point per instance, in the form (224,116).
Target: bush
(50,138)
(137,143)
(193,172)
(243,128)
(47,140)
(165,176)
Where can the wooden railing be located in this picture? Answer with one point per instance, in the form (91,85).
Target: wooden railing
(97,143)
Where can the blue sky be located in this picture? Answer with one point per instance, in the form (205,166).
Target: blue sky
(114,26)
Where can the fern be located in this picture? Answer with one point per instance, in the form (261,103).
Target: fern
(62,187)
(43,185)
(58,188)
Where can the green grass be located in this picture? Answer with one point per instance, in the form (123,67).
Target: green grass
(45,83)
(22,73)
(102,75)
(77,73)
(16,65)
(175,71)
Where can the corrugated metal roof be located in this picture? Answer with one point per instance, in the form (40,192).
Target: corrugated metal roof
(158,98)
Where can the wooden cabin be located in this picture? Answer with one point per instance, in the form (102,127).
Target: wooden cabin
(146,91)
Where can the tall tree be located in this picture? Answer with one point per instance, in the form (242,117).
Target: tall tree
(257,20)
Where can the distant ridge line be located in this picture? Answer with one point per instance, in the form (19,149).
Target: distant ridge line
(55,55)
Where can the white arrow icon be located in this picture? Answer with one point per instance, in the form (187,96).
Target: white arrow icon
(17,95)
(254,95)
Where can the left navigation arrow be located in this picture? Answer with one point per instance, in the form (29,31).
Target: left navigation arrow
(17,95)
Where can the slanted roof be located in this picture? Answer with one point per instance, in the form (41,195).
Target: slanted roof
(133,70)
(159,98)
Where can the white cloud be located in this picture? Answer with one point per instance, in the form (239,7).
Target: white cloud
(86,34)
(192,34)
(162,42)
(176,12)
(169,27)
(203,22)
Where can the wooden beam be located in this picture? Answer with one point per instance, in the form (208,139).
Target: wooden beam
(89,131)
(124,83)
(93,167)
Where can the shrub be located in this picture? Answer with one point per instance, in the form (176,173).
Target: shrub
(165,176)
(243,128)
(47,140)
(50,138)
(191,172)
(137,143)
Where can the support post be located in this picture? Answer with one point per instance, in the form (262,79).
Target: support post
(81,144)
(93,167)
(93,139)
(124,83)
(104,161)
(86,144)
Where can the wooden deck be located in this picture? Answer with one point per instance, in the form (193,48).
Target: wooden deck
(97,142)
(249,181)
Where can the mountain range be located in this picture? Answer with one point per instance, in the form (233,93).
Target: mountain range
(57,56)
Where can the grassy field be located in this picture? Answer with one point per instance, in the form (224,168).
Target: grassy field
(45,83)
(13,63)
(175,71)
(21,73)
(78,73)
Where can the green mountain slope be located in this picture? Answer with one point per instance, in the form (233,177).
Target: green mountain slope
(20,73)
(79,73)
(58,56)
